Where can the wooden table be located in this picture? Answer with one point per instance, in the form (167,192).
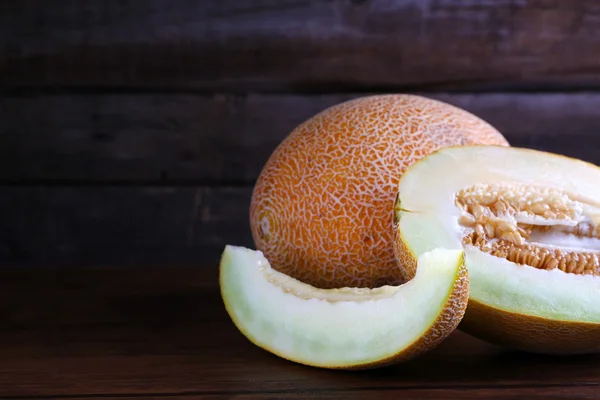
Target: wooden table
(162,333)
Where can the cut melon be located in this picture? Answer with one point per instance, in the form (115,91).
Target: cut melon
(527,221)
(346,328)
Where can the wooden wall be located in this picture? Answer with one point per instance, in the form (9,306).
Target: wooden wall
(131,131)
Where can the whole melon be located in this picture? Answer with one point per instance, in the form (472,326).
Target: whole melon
(322,207)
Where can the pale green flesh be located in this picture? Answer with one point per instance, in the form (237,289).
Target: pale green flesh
(427,192)
(333,333)
(501,284)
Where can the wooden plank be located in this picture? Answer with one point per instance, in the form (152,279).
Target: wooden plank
(128,225)
(300,44)
(501,393)
(113,331)
(164,138)
(215,139)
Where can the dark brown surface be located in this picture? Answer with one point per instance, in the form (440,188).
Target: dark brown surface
(103,332)
(227,139)
(129,225)
(300,44)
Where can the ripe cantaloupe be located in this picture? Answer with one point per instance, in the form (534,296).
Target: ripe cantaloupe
(321,209)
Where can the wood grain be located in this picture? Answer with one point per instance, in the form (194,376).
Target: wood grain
(163,332)
(224,139)
(127,225)
(299,44)
(552,393)
(534,393)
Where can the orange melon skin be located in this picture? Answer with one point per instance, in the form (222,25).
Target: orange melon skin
(321,209)
(528,333)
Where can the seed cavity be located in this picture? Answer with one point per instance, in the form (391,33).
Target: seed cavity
(511,221)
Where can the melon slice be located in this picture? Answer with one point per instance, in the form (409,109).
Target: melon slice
(528,222)
(346,328)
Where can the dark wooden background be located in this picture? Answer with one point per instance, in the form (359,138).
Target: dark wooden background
(132,131)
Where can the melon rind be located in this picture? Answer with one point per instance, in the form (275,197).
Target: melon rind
(518,306)
(367,328)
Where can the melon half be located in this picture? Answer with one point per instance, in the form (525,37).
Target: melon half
(347,328)
(527,221)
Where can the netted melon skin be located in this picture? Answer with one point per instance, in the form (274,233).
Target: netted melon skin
(321,207)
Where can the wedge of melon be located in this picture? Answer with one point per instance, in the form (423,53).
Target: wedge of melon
(348,328)
(528,223)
